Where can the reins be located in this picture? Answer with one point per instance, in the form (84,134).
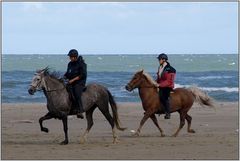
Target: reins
(149,87)
(54,90)
(152,85)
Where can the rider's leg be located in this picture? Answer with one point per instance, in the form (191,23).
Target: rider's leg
(164,94)
(72,95)
(167,109)
(167,103)
(78,89)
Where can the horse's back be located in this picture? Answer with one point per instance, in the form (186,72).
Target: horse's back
(93,94)
(95,87)
(182,97)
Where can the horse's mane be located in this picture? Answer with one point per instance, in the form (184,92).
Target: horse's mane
(150,79)
(52,74)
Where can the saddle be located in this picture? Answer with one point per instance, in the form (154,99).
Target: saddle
(71,95)
(73,99)
(161,108)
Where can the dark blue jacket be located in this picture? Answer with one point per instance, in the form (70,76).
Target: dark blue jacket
(77,68)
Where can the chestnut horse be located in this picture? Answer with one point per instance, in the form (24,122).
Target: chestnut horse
(181,100)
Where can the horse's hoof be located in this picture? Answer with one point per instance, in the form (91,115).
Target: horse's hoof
(135,134)
(45,130)
(174,135)
(191,131)
(65,142)
(115,141)
(163,135)
(82,140)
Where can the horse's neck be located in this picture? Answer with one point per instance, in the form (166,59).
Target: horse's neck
(54,92)
(147,90)
(52,84)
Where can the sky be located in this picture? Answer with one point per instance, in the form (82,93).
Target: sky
(120,27)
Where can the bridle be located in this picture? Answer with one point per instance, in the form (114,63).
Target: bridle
(45,90)
(150,86)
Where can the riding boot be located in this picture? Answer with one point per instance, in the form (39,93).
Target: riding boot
(167,110)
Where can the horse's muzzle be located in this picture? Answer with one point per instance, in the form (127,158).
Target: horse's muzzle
(128,88)
(31,91)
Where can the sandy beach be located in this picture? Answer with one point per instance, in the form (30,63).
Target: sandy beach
(216,135)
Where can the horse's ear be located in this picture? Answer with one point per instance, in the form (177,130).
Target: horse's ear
(45,70)
(141,71)
(42,71)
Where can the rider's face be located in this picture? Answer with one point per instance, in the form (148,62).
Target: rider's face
(72,59)
(161,61)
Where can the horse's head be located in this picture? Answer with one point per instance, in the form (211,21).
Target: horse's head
(141,79)
(136,81)
(37,81)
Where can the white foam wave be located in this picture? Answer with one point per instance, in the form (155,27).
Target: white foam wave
(214,77)
(212,89)
(187,59)
(233,63)
(40,57)
(133,66)
(225,89)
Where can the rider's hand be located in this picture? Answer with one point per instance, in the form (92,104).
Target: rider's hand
(65,81)
(70,81)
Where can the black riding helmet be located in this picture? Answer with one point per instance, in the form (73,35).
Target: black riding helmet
(73,53)
(162,56)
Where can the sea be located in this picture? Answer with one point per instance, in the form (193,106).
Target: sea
(215,74)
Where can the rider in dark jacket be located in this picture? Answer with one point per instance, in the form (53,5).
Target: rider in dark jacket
(77,75)
(165,78)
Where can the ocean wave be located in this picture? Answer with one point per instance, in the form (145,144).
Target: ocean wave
(225,89)
(221,85)
(211,89)
(233,63)
(214,77)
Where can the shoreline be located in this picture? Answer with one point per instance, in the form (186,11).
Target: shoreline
(216,134)
(118,102)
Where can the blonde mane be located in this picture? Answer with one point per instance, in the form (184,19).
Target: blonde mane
(150,79)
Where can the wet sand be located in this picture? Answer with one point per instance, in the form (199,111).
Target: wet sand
(216,135)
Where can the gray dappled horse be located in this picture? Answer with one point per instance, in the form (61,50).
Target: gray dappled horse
(59,103)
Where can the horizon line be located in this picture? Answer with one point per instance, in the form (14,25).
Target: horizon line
(131,54)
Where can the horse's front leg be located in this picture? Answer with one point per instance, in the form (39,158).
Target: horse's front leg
(154,119)
(46,117)
(147,114)
(65,128)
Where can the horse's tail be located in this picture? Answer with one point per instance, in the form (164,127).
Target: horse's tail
(115,112)
(201,97)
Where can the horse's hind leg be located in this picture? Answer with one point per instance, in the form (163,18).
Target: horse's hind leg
(154,119)
(46,117)
(189,120)
(105,112)
(182,122)
(89,118)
